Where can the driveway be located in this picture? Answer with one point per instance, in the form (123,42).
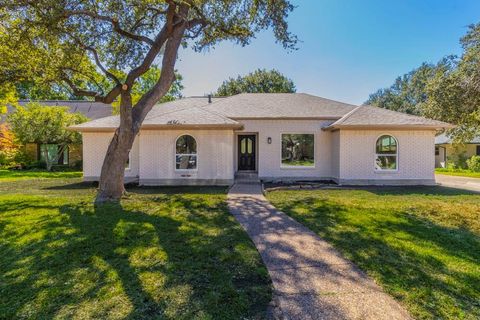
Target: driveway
(471,184)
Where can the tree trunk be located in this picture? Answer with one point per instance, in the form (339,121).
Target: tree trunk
(111,185)
(48,162)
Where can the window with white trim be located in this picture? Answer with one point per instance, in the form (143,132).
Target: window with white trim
(186,153)
(386,153)
(298,150)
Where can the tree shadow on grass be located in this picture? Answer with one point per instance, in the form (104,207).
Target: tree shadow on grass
(183,260)
(432,268)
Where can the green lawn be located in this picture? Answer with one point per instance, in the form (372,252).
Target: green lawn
(14,175)
(165,253)
(421,244)
(458,172)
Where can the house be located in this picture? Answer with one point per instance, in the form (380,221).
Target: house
(203,141)
(73,154)
(448,152)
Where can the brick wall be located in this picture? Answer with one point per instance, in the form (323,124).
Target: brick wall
(416,157)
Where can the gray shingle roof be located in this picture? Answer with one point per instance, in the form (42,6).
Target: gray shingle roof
(223,112)
(444,139)
(92,110)
(368,116)
(279,105)
(183,112)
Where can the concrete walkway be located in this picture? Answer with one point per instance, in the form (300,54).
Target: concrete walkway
(311,279)
(466,183)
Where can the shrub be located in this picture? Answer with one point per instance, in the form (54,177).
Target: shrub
(9,150)
(474,163)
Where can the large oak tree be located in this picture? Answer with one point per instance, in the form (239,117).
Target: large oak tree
(259,81)
(69,41)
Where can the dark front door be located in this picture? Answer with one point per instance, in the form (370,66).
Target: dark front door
(246,152)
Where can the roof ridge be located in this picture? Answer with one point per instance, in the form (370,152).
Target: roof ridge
(346,116)
(217,114)
(328,99)
(192,107)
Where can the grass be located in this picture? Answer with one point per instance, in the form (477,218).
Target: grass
(458,172)
(164,253)
(421,244)
(14,175)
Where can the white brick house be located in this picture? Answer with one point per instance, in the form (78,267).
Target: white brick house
(277,136)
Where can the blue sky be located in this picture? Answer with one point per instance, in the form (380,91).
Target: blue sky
(349,48)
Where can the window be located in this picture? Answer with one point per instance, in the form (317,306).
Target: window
(478,150)
(437,151)
(52,150)
(186,153)
(127,164)
(386,153)
(298,150)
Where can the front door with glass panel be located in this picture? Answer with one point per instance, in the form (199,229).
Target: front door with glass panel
(246,153)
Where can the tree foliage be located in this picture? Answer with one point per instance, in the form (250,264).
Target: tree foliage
(70,42)
(448,91)
(39,124)
(454,95)
(408,92)
(8,147)
(146,82)
(259,81)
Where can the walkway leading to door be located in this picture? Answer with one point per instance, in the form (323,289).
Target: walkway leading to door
(311,279)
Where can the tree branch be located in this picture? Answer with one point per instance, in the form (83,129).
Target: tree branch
(163,84)
(114,22)
(100,66)
(107,99)
(78,91)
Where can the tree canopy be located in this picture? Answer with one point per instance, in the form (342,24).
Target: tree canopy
(259,81)
(448,91)
(454,94)
(39,124)
(408,91)
(146,82)
(70,41)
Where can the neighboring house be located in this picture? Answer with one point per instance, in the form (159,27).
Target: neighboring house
(73,154)
(446,151)
(280,137)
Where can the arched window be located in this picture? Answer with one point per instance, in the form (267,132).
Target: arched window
(386,153)
(186,153)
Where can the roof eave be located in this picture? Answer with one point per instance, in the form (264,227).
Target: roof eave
(232,126)
(390,126)
(286,118)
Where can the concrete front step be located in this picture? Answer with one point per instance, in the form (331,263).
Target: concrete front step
(247,178)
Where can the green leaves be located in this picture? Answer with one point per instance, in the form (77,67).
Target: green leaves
(42,124)
(259,81)
(448,91)
(67,43)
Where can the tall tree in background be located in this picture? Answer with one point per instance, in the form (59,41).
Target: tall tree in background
(408,92)
(69,41)
(448,91)
(454,94)
(259,81)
